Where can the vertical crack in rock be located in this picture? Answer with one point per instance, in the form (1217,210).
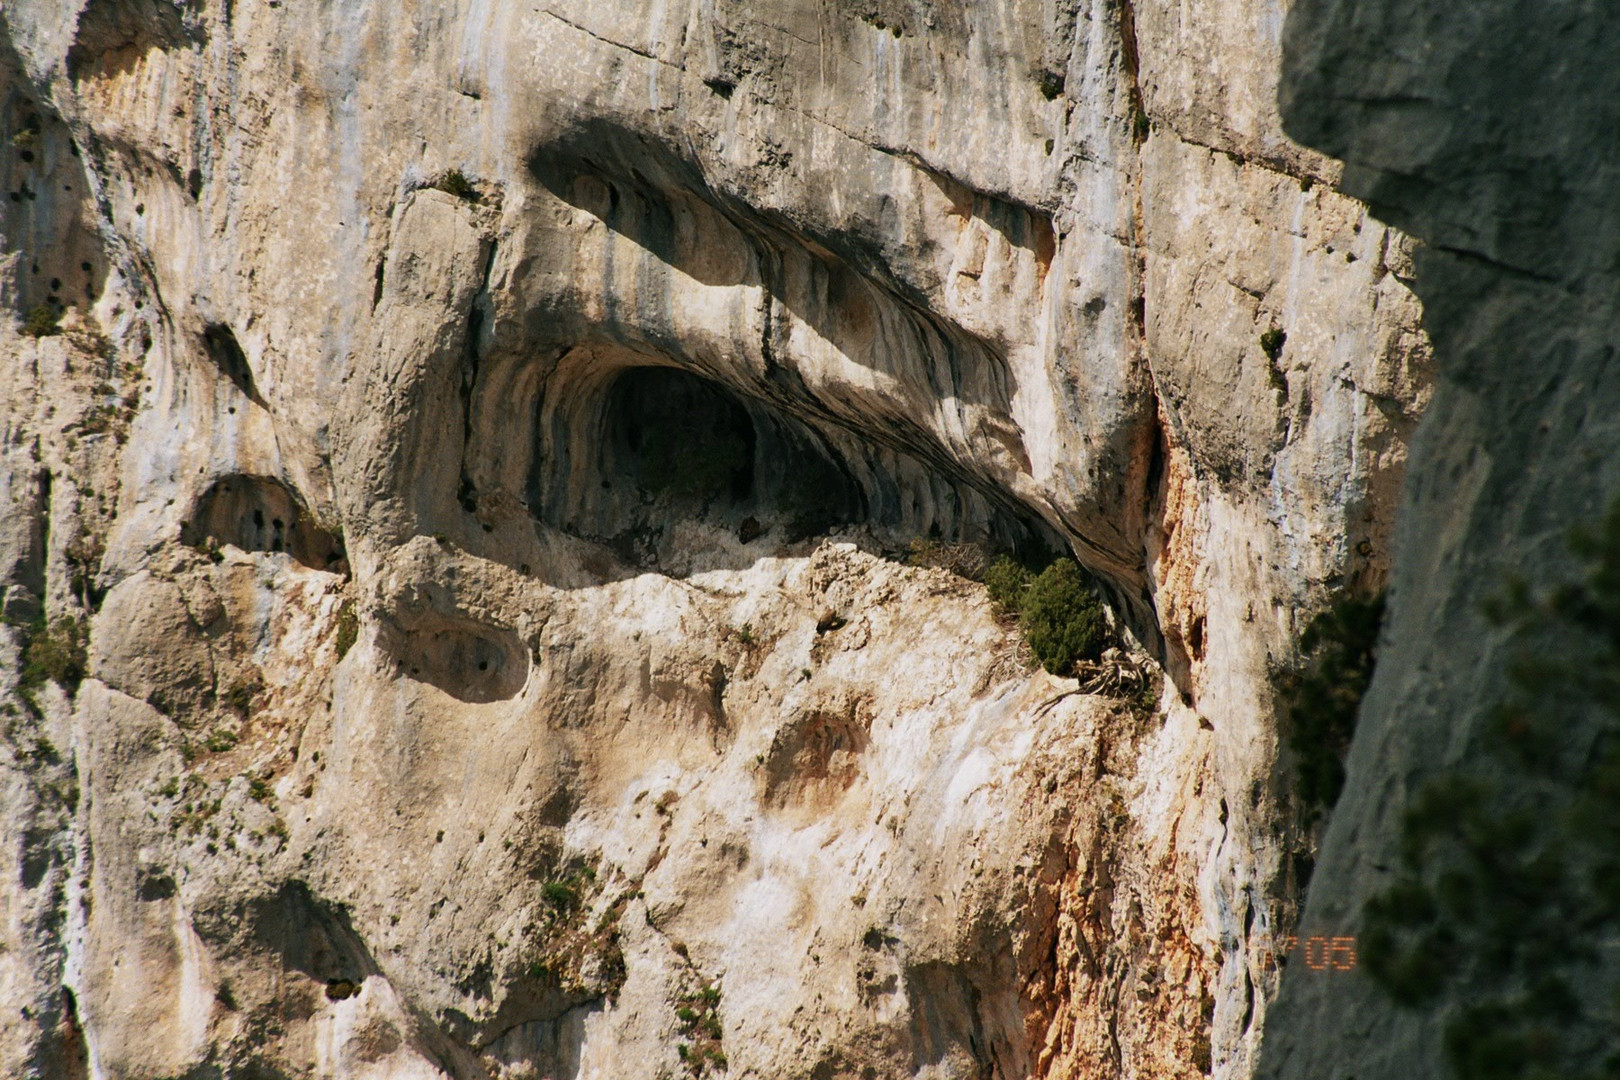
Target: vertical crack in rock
(466,494)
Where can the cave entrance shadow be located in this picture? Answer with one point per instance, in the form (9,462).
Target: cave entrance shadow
(633,460)
(312,937)
(112,37)
(835,283)
(260,513)
(316,938)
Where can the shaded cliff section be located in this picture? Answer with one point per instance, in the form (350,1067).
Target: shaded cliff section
(1487,131)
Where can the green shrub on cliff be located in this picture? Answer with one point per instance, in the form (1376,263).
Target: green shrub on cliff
(348,628)
(1063,619)
(1271,343)
(1006,580)
(43,321)
(1058,611)
(1321,699)
(55,653)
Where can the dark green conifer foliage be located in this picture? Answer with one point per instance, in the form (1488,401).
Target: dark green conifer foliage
(1340,648)
(1062,618)
(1059,612)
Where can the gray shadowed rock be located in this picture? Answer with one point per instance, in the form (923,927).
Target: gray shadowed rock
(1487,131)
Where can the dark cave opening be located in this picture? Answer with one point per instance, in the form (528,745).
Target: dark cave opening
(257,513)
(222,348)
(682,436)
(665,444)
(658,459)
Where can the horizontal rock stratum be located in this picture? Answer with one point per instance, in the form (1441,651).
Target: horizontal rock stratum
(505,466)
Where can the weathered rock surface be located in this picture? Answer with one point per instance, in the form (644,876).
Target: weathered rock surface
(420,738)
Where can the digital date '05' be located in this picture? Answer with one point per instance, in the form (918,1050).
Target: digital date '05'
(1320,953)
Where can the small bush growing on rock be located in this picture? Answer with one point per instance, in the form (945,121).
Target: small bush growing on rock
(569,949)
(963,558)
(219,741)
(1340,648)
(348,628)
(100,419)
(1141,127)
(1062,618)
(698,1011)
(1060,614)
(1271,343)
(43,752)
(240,694)
(55,653)
(561,895)
(83,556)
(454,182)
(43,321)
(1006,581)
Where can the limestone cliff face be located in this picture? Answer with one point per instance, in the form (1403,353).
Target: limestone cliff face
(479,446)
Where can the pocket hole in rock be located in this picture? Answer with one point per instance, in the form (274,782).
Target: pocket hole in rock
(227,355)
(257,513)
(469,661)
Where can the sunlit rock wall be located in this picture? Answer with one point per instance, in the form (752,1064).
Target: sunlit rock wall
(484,446)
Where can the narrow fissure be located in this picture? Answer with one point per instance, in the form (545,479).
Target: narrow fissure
(466,492)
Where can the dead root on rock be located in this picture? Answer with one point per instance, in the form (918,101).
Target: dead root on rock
(1116,674)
